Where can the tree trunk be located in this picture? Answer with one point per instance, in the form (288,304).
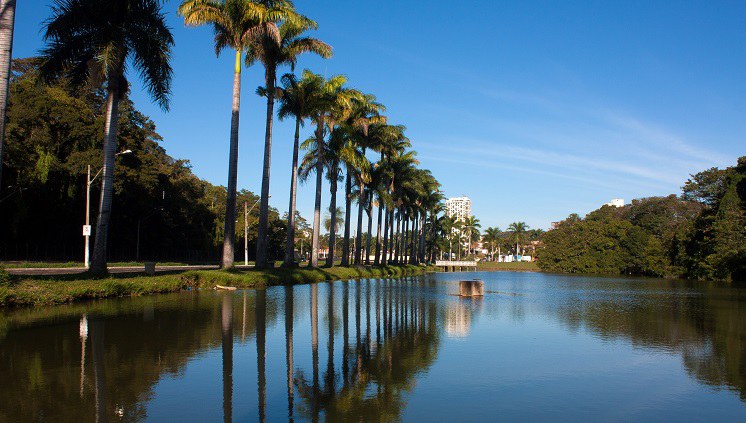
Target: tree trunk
(359,243)
(290,241)
(384,257)
(333,213)
(230,203)
(369,212)
(405,244)
(421,229)
(99,262)
(377,259)
(411,244)
(397,239)
(391,236)
(317,206)
(262,246)
(348,205)
(7,21)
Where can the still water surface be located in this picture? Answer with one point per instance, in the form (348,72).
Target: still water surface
(536,347)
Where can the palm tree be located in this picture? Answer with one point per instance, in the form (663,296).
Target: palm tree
(492,237)
(392,149)
(518,234)
(471,225)
(90,41)
(236,23)
(296,100)
(274,52)
(337,222)
(364,116)
(448,227)
(338,150)
(331,95)
(7,20)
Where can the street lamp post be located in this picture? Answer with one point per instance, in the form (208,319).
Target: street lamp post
(246,230)
(87,227)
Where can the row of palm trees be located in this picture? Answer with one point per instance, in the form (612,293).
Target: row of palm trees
(348,126)
(517,233)
(98,42)
(466,233)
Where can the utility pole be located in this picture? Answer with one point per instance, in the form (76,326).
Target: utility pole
(87,227)
(246,229)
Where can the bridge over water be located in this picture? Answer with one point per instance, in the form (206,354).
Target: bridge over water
(452,265)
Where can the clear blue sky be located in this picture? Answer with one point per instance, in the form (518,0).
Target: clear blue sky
(533,109)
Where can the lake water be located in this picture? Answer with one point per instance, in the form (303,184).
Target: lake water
(537,347)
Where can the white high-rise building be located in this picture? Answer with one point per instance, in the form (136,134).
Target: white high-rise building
(458,208)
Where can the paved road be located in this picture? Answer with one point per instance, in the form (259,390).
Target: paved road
(52,271)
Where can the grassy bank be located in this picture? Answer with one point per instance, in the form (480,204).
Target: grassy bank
(519,266)
(40,290)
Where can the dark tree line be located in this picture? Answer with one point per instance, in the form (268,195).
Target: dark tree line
(700,234)
(54,133)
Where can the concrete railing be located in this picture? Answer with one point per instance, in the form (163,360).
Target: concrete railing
(448,263)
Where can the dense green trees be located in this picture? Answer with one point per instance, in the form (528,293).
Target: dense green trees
(53,134)
(701,234)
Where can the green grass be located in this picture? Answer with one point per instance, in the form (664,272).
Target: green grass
(49,290)
(519,266)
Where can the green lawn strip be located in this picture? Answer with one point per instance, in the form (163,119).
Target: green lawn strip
(519,266)
(41,290)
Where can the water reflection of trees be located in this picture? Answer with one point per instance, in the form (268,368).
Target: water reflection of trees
(705,325)
(50,370)
(100,361)
(395,337)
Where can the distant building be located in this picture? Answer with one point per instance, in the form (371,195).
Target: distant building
(458,208)
(617,202)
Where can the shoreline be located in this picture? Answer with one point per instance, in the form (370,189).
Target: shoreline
(34,291)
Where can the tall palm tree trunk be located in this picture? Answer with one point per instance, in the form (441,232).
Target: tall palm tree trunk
(377,258)
(230,203)
(369,212)
(98,262)
(317,206)
(348,206)
(421,230)
(411,243)
(262,249)
(7,21)
(397,239)
(359,243)
(405,244)
(333,214)
(391,236)
(384,257)
(290,241)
